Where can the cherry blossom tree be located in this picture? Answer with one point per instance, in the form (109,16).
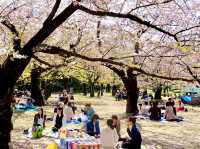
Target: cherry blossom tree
(148,37)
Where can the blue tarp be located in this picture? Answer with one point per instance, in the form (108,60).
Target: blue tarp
(25,108)
(186,99)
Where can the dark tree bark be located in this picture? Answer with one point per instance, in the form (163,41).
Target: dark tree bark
(98,90)
(158,93)
(101,89)
(132,92)
(84,89)
(92,90)
(108,88)
(6,96)
(66,84)
(47,89)
(114,90)
(36,92)
(129,80)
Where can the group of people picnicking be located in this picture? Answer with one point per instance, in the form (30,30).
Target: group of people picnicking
(110,137)
(154,111)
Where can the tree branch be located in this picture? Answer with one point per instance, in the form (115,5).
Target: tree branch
(45,31)
(197,26)
(148,5)
(50,66)
(52,13)
(60,51)
(127,16)
(13,30)
(191,73)
(119,72)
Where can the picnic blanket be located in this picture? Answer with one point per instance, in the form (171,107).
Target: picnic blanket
(24,108)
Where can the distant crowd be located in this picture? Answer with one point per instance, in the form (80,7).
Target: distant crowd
(157,112)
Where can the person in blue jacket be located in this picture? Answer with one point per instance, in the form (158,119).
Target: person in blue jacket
(135,137)
(89,111)
(93,128)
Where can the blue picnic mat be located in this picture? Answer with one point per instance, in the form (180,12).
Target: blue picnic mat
(73,122)
(24,108)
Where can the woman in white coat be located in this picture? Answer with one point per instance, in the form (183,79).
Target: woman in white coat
(109,136)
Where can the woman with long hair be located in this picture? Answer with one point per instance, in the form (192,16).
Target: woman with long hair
(39,118)
(109,136)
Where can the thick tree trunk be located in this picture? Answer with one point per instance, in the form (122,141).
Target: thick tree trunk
(158,93)
(47,89)
(132,92)
(36,92)
(5,118)
(9,73)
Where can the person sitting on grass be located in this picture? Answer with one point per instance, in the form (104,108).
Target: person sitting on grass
(116,124)
(89,111)
(135,137)
(39,118)
(109,136)
(68,112)
(93,128)
(145,109)
(155,112)
(58,118)
(172,103)
(169,113)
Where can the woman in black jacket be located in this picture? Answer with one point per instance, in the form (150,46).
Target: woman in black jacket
(58,118)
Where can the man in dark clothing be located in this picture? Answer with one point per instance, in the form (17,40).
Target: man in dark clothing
(134,134)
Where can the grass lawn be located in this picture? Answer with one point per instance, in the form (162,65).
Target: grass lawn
(169,135)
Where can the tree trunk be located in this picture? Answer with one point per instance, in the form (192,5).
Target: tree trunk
(66,84)
(158,93)
(98,91)
(84,89)
(5,118)
(92,90)
(47,89)
(114,90)
(36,92)
(108,88)
(102,89)
(132,92)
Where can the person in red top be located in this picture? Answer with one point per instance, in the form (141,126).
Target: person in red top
(155,112)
